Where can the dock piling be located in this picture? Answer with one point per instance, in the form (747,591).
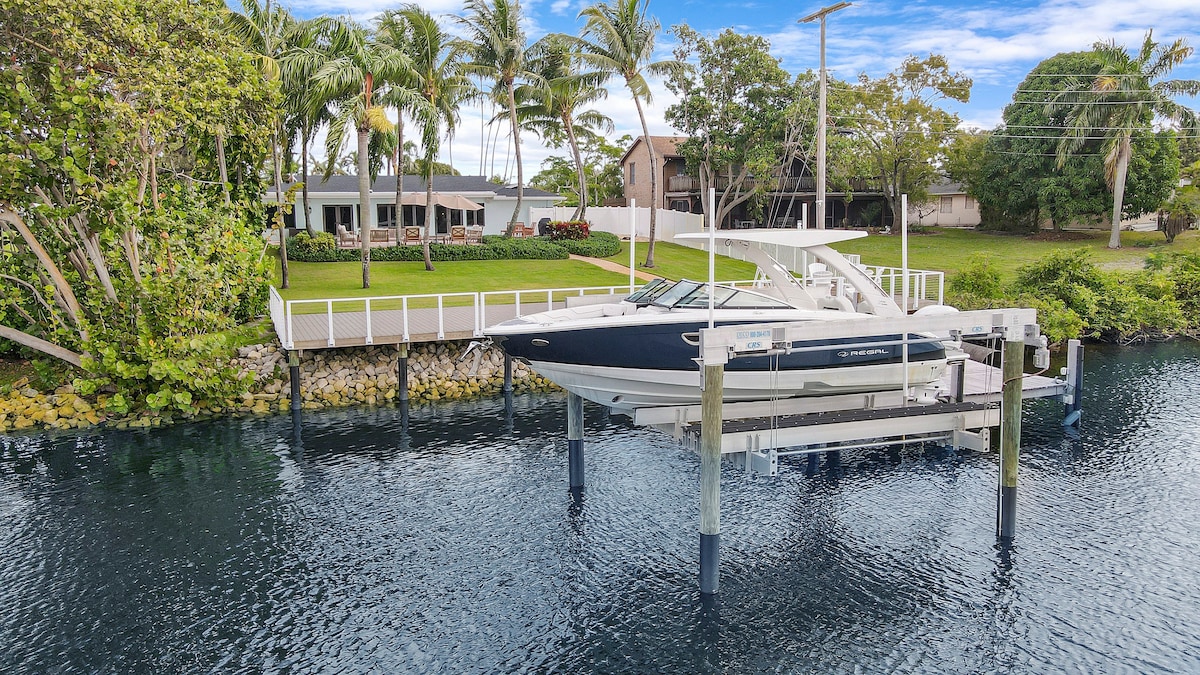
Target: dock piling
(710,479)
(1073,400)
(575,441)
(294,378)
(402,372)
(1010,432)
(508,386)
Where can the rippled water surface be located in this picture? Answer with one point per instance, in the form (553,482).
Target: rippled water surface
(450,544)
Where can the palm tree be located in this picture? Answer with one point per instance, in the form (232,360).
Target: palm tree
(353,75)
(439,81)
(265,33)
(555,110)
(1122,98)
(618,38)
(306,112)
(498,52)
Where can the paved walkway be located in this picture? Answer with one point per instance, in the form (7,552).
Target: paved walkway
(616,267)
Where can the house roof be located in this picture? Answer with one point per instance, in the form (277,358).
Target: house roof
(664,146)
(349,184)
(947,187)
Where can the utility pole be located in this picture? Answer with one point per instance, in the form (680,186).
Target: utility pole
(821,14)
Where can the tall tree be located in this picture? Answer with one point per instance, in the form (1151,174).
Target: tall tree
(899,126)
(618,37)
(1019,184)
(1122,98)
(306,113)
(355,72)
(733,106)
(497,45)
(265,31)
(556,109)
(441,86)
(122,255)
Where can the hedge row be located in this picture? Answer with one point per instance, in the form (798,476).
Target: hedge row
(323,248)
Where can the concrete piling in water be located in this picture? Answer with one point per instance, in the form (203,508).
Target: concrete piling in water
(1073,408)
(402,373)
(575,441)
(710,479)
(294,378)
(1010,433)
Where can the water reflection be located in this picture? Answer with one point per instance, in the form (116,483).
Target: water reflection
(445,539)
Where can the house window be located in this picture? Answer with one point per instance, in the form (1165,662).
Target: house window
(947,204)
(338,214)
(386,214)
(970,203)
(632,173)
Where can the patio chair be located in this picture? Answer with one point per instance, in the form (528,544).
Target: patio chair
(458,234)
(518,231)
(381,237)
(474,234)
(412,235)
(346,239)
(528,230)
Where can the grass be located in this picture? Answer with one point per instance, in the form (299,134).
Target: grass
(344,280)
(948,250)
(680,262)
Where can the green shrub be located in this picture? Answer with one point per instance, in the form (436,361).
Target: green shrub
(305,245)
(567,229)
(597,245)
(492,248)
(979,277)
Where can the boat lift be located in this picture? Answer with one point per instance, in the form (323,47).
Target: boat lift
(758,433)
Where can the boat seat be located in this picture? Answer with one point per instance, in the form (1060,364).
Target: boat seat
(612,309)
(838,302)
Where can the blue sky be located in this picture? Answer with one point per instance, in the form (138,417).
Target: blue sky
(995,43)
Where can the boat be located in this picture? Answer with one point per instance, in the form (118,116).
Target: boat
(641,350)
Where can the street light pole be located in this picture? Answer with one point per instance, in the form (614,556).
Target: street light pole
(821,14)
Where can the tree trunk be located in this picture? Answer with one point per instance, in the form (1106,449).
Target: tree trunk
(429,211)
(1114,239)
(581,210)
(512,115)
(364,202)
(399,172)
(70,304)
(283,259)
(224,168)
(308,221)
(653,183)
(38,344)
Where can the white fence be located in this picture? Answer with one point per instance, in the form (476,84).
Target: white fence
(615,220)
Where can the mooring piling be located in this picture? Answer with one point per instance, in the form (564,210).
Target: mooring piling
(508,386)
(294,378)
(575,441)
(402,372)
(1073,399)
(710,478)
(1010,431)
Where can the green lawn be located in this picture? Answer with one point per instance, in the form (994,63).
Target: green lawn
(344,280)
(680,262)
(948,250)
(945,250)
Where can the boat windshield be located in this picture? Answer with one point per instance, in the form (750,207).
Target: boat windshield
(648,293)
(693,295)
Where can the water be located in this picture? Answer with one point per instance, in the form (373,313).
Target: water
(452,546)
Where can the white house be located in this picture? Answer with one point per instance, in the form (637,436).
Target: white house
(949,205)
(335,202)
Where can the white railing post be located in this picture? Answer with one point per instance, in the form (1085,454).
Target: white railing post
(370,338)
(404,316)
(329,320)
(291,342)
(441,320)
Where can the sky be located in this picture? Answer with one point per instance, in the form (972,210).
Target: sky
(996,43)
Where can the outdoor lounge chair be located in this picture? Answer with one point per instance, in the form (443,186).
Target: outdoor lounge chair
(412,236)
(346,239)
(474,234)
(381,236)
(518,231)
(458,234)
